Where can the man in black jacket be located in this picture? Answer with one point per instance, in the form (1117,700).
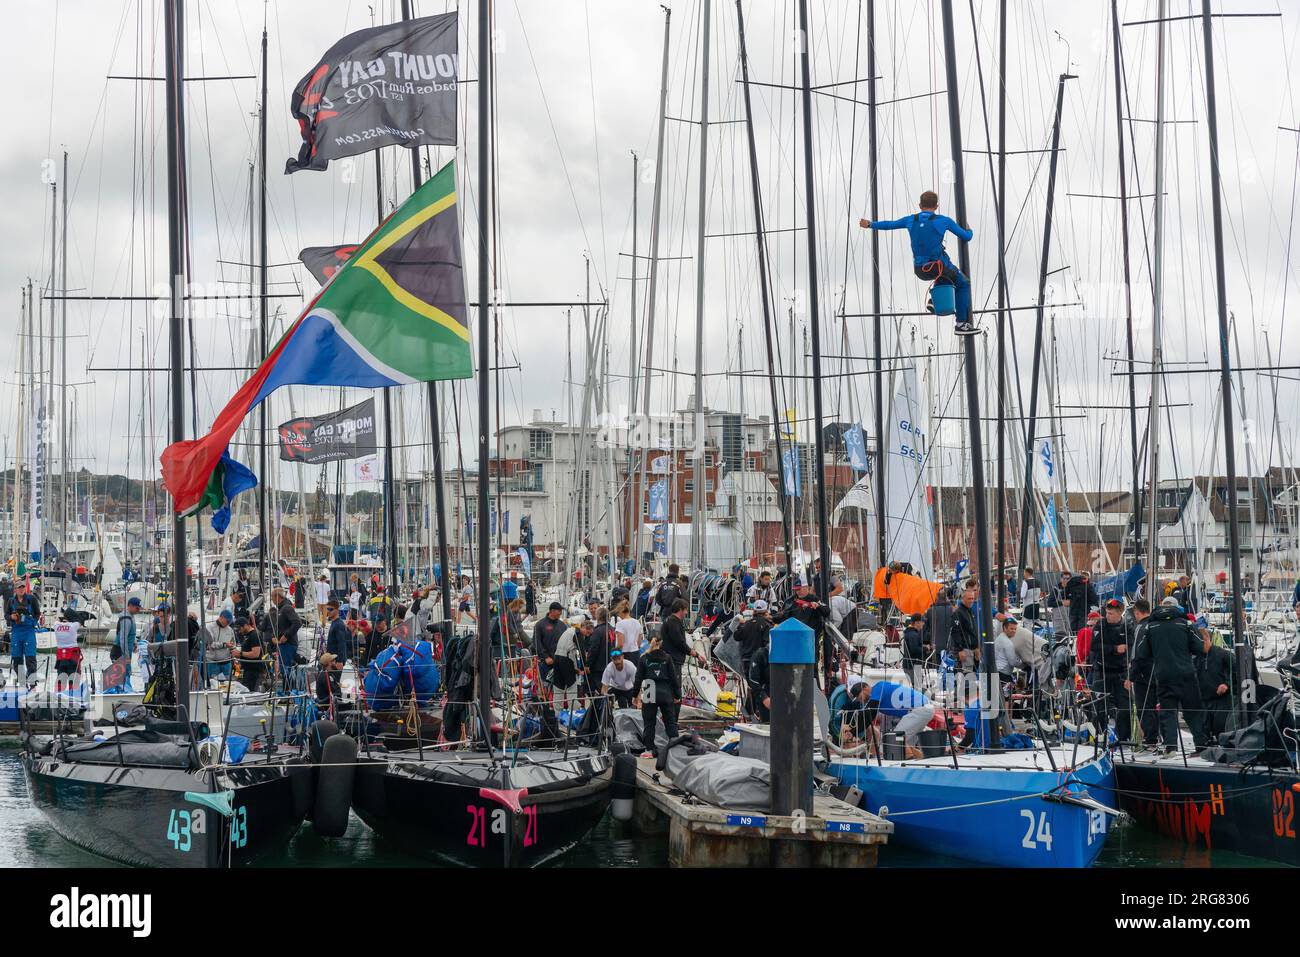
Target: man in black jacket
(1080,598)
(284,631)
(546,636)
(760,684)
(752,635)
(805,607)
(1214,680)
(673,635)
(1112,641)
(917,649)
(1186,595)
(1140,684)
(669,592)
(1172,646)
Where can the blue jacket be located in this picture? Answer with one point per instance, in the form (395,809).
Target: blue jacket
(926,230)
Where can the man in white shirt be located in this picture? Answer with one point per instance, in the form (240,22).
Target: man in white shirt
(618,679)
(761,590)
(840,604)
(322,588)
(67,654)
(630,631)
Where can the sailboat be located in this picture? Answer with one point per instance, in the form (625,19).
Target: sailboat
(163,795)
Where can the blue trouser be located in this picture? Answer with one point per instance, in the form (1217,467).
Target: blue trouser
(288,661)
(942,272)
(22,648)
(215,668)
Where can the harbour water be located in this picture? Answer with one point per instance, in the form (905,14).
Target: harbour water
(27,841)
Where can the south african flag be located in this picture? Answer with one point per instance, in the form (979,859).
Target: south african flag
(393,314)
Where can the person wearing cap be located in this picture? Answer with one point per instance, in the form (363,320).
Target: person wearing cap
(1171,646)
(23,612)
(628,633)
(619,678)
(917,649)
(219,645)
(124,636)
(752,635)
(546,637)
(249,653)
(328,691)
(1112,643)
(804,606)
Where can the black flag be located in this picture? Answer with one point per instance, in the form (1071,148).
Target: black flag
(385,86)
(349,434)
(324,261)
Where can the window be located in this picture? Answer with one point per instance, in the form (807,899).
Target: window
(539,444)
(688,509)
(708,485)
(688,485)
(645,509)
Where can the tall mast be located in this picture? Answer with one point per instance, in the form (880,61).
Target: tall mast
(1028,510)
(1001,200)
(642,487)
(63,366)
(390,532)
(698,498)
(1157,309)
(263,332)
(1225,357)
(632,510)
(877,335)
(992,707)
(823,536)
(174,28)
(484,364)
(764,291)
(1128,290)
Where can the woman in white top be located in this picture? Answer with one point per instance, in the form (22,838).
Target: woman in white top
(630,631)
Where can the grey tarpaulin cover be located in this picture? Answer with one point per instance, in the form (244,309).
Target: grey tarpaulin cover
(723,780)
(135,747)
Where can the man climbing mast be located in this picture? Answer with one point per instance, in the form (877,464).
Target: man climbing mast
(926,229)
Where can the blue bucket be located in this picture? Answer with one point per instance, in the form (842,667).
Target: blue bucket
(944,299)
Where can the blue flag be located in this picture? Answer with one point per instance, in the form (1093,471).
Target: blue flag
(1047,534)
(660,539)
(526,562)
(234,478)
(855,444)
(659,501)
(790,469)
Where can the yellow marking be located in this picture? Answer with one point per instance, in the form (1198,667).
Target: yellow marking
(369,263)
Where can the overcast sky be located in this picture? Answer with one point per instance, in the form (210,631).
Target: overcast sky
(578,94)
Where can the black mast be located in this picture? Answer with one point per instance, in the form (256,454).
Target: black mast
(484,365)
(174,29)
(1001,200)
(823,537)
(435,419)
(1128,292)
(878,347)
(992,706)
(264,526)
(765,288)
(1225,357)
(390,532)
(1027,510)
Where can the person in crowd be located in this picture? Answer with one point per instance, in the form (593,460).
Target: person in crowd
(1004,650)
(567,666)
(658,689)
(515,624)
(930,261)
(753,634)
(1214,679)
(759,678)
(1112,642)
(249,654)
(465,601)
(668,593)
(619,678)
(629,633)
(339,642)
(673,636)
(1172,646)
(964,642)
(596,647)
(805,607)
(546,637)
(641,607)
(67,653)
(842,609)
(1080,597)
(328,691)
(912,709)
(1186,594)
(917,649)
(380,606)
(1141,684)
(23,612)
(219,646)
(321,589)
(1083,642)
(285,624)
(762,589)
(1031,595)
(124,636)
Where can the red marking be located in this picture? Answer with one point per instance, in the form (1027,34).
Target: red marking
(510,798)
